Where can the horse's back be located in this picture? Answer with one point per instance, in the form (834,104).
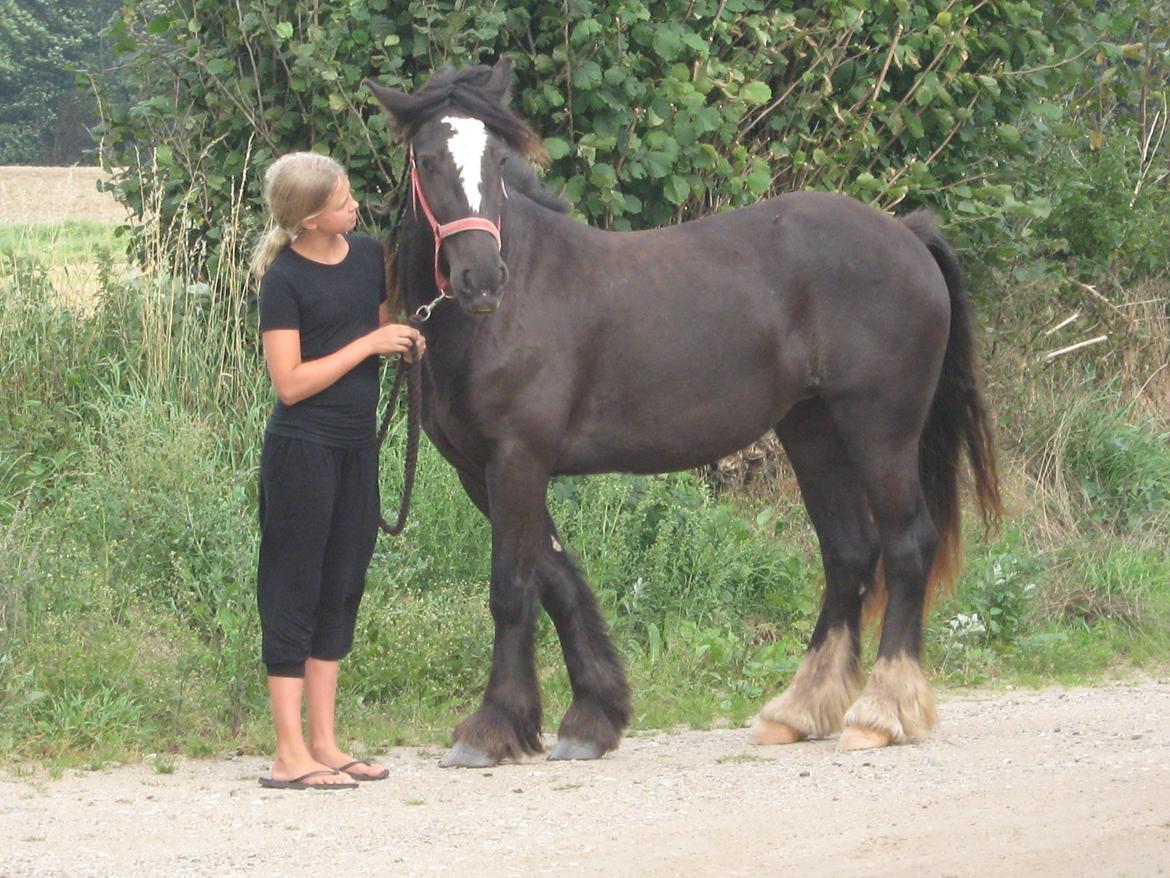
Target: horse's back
(873,291)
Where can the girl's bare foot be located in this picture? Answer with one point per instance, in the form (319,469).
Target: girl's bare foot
(358,769)
(318,773)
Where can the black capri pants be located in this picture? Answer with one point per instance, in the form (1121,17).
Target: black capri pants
(319,512)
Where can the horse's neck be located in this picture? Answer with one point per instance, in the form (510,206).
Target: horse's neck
(416,265)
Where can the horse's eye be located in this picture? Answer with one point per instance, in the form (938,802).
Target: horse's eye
(425,163)
(503,160)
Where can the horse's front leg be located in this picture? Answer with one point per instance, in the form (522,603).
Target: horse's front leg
(506,725)
(593,724)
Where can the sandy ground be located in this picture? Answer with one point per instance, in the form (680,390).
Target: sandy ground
(51,195)
(1051,783)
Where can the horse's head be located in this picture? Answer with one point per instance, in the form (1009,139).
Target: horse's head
(460,136)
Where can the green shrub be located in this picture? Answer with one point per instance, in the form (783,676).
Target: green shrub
(653,110)
(660,549)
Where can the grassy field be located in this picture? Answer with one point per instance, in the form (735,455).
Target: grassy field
(129,431)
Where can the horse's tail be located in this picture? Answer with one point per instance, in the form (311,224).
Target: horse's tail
(957,420)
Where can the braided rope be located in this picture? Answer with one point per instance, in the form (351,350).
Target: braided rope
(409,372)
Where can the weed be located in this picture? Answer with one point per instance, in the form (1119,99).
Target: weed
(741,759)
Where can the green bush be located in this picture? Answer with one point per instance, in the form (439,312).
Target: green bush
(652,111)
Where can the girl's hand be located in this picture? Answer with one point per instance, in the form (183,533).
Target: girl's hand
(396,338)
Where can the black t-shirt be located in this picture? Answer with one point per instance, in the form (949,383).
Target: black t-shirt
(330,305)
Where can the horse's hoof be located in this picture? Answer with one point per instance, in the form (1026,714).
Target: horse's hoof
(570,748)
(463,755)
(766,731)
(856,738)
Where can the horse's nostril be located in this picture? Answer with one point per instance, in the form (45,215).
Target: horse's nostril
(503,274)
(468,281)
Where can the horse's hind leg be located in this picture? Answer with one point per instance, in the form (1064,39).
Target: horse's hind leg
(897,703)
(601,697)
(829,678)
(507,723)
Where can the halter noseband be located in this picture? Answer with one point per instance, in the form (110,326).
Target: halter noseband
(446,230)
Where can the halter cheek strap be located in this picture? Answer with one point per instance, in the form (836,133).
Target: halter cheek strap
(446,230)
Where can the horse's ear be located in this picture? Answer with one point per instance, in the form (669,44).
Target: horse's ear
(396,102)
(501,79)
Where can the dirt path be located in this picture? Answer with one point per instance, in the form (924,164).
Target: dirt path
(1057,782)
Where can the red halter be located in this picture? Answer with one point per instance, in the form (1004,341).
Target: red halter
(441,231)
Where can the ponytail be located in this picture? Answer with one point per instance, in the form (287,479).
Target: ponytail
(270,246)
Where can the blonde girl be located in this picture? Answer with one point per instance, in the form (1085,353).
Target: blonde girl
(324,321)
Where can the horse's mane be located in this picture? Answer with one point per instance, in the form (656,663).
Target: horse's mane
(462,93)
(521,176)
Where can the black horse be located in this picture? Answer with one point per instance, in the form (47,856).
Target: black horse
(576,350)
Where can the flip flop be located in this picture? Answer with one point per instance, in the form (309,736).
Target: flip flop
(298,783)
(381,775)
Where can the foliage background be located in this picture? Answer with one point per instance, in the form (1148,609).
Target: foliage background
(653,112)
(44,112)
(129,427)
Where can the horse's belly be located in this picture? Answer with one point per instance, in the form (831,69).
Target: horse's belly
(668,432)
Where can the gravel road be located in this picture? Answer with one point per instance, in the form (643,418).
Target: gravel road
(1034,783)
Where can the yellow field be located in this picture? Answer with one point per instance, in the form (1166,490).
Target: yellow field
(35,195)
(58,217)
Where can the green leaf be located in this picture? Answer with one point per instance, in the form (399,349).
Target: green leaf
(667,42)
(587,76)
(585,31)
(759,179)
(659,164)
(602,176)
(696,43)
(676,189)
(912,122)
(756,92)
(1009,134)
(557,147)
(284,30)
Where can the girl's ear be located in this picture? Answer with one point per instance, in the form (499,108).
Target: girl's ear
(395,102)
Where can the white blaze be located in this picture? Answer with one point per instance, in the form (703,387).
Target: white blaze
(467,146)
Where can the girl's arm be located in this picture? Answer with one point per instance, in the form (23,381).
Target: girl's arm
(295,379)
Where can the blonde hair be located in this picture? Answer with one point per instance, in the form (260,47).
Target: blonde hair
(296,187)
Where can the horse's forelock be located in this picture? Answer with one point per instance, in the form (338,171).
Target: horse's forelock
(465,92)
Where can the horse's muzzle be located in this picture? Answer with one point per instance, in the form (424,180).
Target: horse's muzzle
(479,294)
(484,303)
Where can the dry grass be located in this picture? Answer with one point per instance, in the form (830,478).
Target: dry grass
(57,216)
(35,195)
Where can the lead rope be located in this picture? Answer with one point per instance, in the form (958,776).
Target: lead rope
(409,372)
